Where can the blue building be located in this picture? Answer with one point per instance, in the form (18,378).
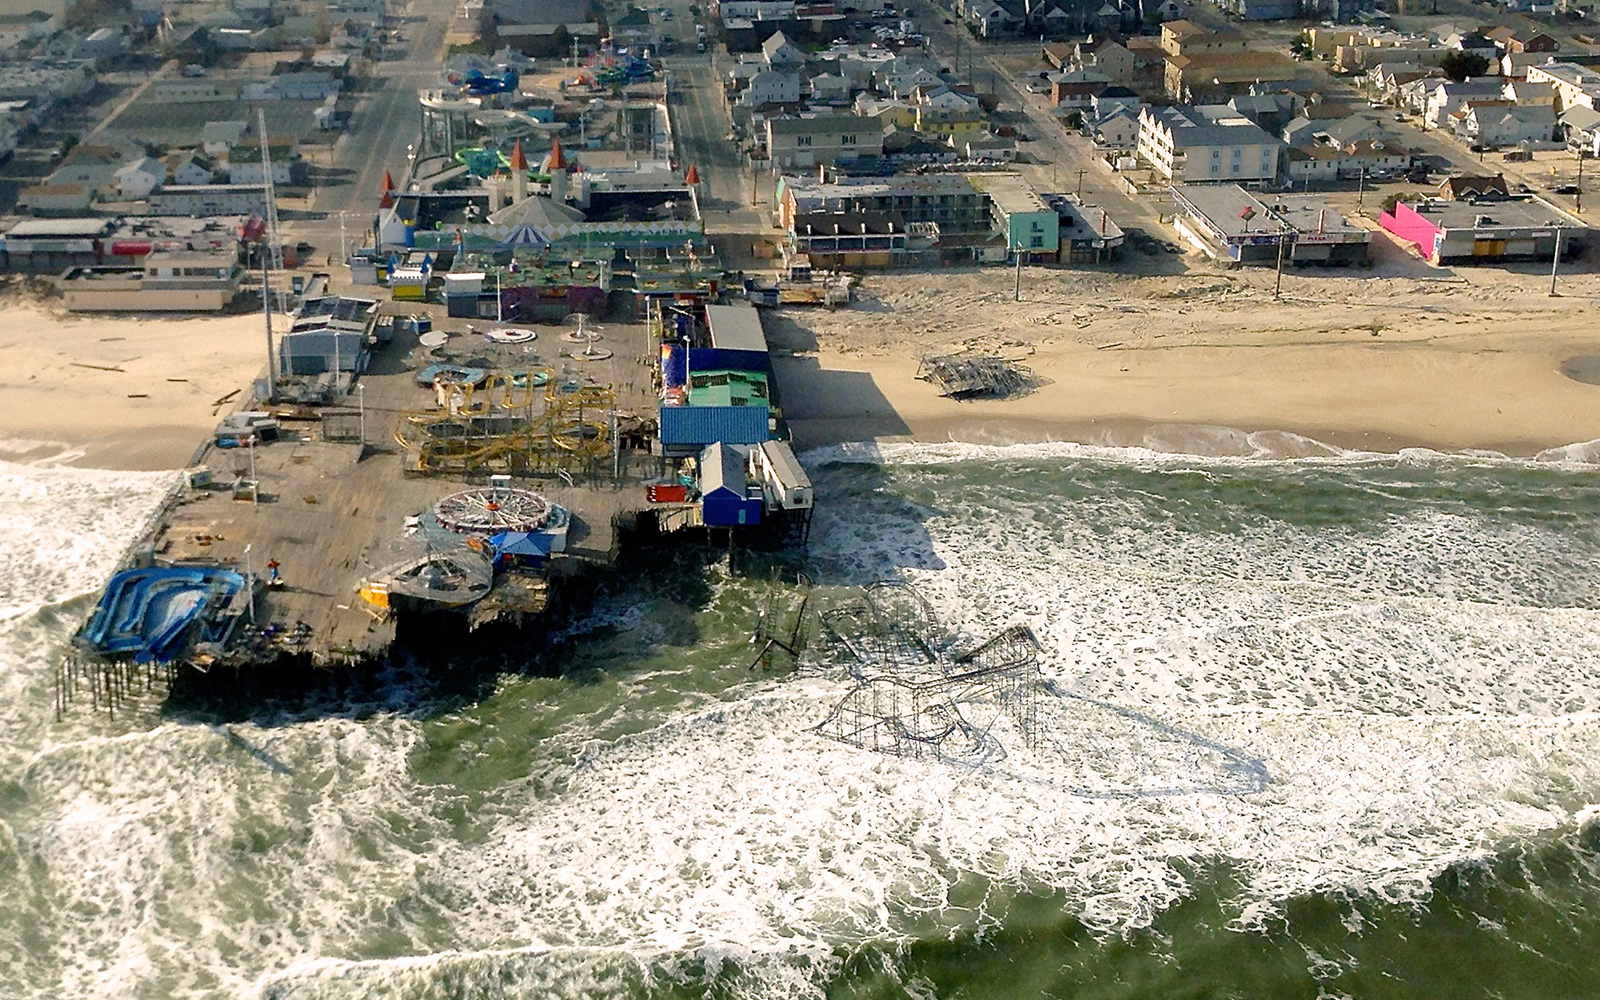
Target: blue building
(725,490)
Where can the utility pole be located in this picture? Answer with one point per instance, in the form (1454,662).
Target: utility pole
(1081,172)
(1283,237)
(266,314)
(1016,292)
(1555,261)
(1579,206)
(1361,191)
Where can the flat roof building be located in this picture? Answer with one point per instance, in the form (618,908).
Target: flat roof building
(1488,229)
(1231,223)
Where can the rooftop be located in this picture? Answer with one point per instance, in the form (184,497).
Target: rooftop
(1009,192)
(1510,214)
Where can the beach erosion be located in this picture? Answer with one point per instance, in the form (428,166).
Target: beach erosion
(123,392)
(1206,363)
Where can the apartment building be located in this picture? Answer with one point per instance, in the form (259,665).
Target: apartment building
(1183,145)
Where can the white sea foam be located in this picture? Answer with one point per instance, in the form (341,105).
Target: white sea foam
(1292,702)
(1221,446)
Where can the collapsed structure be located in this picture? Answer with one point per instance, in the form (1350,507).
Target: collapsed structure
(914,693)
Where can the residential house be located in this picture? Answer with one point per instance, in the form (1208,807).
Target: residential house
(1329,162)
(956,122)
(1117,130)
(822,139)
(1185,38)
(1495,124)
(888,111)
(1575,85)
(302,86)
(541,28)
(782,54)
(1106,56)
(1514,65)
(990,19)
(1474,43)
(1210,76)
(1474,187)
(830,88)
(1272,111)
(1261,10)
(770,87)
(244,161)
(137,178)
(1520,41)
(188,168)
(1445,97)
(52,199)
(16,28)
(1060,55)
(1184,146)
(1077,88)
(216,138)
(88,164)
(1114,100)
(1523,92)
(986,146)
(102,45)
(1581,126)
(1383,81)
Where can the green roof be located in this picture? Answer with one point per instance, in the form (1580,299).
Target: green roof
(720,387)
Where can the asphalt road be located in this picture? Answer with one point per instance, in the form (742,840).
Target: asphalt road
(1062,153)
(385,120)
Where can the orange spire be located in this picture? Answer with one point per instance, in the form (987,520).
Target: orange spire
(693,176)
(388,182)
(557,160)
(387,201)
(519,159)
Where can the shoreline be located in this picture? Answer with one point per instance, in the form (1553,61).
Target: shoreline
(1202,364)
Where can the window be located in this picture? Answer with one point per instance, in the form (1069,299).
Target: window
(847,140)
(1036,242)
(1216,154)
(802,140)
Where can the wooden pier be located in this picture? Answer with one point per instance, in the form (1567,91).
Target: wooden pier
(327,509)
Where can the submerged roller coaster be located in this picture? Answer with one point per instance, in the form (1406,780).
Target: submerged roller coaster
(915,695)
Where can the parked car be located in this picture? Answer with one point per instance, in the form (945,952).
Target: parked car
(1565,189)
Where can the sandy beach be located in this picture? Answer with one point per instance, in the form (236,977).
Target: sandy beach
(136,392)
(1209,363)
(1202,361)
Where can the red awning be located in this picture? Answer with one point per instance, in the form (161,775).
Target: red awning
(130,248)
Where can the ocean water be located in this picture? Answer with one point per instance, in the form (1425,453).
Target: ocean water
(1311,728)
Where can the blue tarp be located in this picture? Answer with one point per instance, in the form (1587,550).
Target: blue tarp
(522,543)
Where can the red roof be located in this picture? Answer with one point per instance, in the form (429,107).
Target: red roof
(519,159)
(557,160)
(693,176)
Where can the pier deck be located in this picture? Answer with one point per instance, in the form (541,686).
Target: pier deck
(331,513)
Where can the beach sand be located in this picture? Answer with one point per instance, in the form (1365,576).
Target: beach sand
(120,391)
(1207,363)
(1202,361)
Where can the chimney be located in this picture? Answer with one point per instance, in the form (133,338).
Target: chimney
(558,173)
(519,174)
